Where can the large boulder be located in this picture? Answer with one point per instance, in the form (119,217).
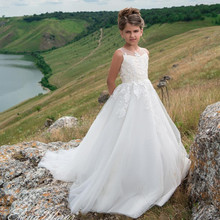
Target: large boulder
(64,122)
(203,181)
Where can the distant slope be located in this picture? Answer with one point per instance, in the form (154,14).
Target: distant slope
(48,30)
(17,35)
(192,46)
(63,61)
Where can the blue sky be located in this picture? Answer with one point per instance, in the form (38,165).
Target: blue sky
(29,7)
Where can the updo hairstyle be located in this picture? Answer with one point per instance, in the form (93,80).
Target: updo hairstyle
(131,16)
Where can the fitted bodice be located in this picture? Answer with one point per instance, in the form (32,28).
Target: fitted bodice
(134,68)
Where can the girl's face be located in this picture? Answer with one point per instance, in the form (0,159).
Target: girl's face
(131,34)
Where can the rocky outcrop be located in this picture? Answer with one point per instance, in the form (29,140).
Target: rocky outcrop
(64,122)
(28,191)
(203,181)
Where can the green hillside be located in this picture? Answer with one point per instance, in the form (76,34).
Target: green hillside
(17,35)
(52,30)
(80,70)
(64,61)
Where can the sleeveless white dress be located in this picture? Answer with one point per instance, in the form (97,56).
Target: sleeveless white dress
(131,158)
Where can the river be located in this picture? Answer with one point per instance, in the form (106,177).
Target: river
(19,80)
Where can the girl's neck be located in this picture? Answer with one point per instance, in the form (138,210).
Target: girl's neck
(131,48)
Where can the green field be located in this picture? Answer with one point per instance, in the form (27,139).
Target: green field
(17,35)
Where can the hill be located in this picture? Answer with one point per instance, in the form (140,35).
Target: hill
(17,35)
(187,51)
(64,61)
(48,31)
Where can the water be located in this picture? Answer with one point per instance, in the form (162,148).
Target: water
(19,80)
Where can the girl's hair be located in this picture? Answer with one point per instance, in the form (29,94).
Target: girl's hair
(131,16)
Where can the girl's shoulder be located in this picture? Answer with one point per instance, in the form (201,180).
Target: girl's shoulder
(118,52)
(118,56)
(145,50)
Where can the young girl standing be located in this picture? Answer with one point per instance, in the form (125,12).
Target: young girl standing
(132,157)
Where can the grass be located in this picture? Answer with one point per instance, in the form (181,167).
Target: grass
(62,61)
(186,105)
(18,35)
(80,85)
(168,30)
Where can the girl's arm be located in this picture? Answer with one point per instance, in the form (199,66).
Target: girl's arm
(114,70)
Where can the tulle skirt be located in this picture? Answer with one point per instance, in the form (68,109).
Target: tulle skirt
(131,158)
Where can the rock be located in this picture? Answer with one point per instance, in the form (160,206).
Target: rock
(49,37)
(28,191)
(103,96)
(203,184)
(64,122)
(48,122)
(175,65)
(205,212)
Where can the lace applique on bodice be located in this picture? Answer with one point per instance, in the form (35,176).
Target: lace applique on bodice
(134,67)
(135,82)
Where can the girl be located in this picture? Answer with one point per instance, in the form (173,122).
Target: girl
(132,157)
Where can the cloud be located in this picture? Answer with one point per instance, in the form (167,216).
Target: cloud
(54,2)
(91,1)
(99,2)
(21,3)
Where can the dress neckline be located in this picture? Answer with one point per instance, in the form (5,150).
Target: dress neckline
(132,51)
(135,54)
(140,55)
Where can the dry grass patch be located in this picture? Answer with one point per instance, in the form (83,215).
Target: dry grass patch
(186,105)
(68,134)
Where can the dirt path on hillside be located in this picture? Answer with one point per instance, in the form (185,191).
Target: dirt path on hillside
(93,51)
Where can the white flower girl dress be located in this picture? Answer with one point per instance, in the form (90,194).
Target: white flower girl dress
(131,158)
